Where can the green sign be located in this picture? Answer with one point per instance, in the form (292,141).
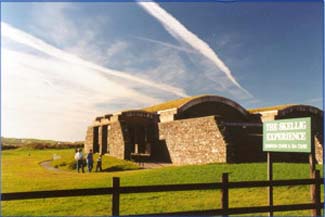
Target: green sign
(287,135)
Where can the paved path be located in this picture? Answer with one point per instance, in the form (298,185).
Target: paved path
(154,165)
(47,165)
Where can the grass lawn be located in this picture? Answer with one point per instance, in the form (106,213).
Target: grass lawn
(21,172)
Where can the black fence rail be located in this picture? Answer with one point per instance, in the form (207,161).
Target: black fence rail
(316,205)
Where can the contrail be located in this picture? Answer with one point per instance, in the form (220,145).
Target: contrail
(167,44)
(181,33)
(36,43)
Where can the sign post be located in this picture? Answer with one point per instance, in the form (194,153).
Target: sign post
(270,178)
(287,135)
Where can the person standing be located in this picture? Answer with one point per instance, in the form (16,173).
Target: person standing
(90,160)
(99,163)
(79,160)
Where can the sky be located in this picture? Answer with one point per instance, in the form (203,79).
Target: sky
(63,64)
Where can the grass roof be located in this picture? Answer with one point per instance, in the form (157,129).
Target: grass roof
(178,102)
(170,104)
(270,108)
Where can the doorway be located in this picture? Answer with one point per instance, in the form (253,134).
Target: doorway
(95,140)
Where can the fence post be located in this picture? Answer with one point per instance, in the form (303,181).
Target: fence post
(270,178)
(116,197)
(316,194)
(225,193)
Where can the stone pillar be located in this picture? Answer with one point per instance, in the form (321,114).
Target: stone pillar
(116,140)
(89,139)
(108,140)
(135,142)
(136,148)
(100,139)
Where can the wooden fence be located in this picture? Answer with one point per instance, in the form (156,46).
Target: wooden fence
(316,205)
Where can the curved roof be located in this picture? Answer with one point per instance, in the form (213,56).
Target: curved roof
(171,104)
(303,108)
(185,103)
(285,108)
(135,111)
(270,108)
(212,98)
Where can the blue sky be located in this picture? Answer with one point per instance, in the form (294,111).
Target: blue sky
(65,63)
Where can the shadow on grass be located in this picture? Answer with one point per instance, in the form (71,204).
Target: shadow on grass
(119,168)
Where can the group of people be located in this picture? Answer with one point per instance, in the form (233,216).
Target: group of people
(89,161)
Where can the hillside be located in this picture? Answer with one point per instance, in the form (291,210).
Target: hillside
(12,143)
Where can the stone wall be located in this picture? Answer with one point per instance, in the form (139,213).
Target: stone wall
(167,115)
(193,141)
(89,139)
(100,139)
(116,140)
(197,140)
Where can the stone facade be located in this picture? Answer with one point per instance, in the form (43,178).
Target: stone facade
(100,138)
(116,140)
(201,130)
(89,139)
(167,115)
(194,141)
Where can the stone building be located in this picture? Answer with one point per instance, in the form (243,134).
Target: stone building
(196,130)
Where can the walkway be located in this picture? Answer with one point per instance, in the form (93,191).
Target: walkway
(47,165)
(153,165)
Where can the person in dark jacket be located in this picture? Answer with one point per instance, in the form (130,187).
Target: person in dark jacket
(90,160)
(99,164)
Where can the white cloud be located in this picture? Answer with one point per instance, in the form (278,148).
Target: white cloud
(53,93)
(50,93)
(33,42)
(117,47)
(55,26)
(181,33)
(39,91)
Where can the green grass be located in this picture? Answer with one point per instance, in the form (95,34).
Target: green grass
(276,107)
(21,172)
(66,162)
(171,104)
